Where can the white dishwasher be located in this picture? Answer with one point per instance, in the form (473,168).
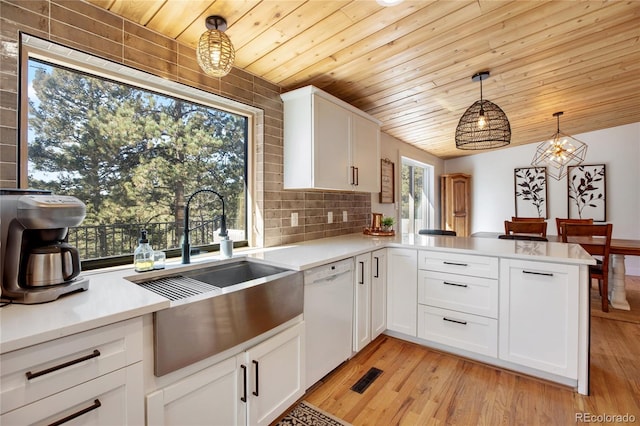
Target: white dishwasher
(328,317)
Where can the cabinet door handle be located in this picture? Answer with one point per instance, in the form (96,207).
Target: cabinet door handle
(361,281)
(243,398)
(546,274)
(357,176)
(455,264)
(454,284)
(453,320)
(96,404)
(377,267)
(255,392)
(30,375)
(353,175)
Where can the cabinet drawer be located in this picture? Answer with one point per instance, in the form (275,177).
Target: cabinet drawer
(38,371)
(462,293)
(464,331)
(112,399)
(465,264)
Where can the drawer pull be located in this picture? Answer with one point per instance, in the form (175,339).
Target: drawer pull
(546,274)
(30,375)
(454,284)
(455,264)
(96,404)
(453,320)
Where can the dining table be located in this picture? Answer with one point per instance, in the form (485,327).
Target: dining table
(620,247)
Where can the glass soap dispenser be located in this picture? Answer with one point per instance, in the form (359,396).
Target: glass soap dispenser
(143,255)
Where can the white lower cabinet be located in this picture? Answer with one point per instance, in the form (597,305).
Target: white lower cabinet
(112,399)
(275,375)
(469,332)
(402,290)
(90,378)
(253,387)
(378,292)
(458,301)
(207,397)
(539,315)
(370,296)
(362,302)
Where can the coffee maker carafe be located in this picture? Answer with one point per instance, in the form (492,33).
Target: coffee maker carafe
(38,264)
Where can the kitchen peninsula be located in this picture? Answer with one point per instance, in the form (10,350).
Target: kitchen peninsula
(518,305)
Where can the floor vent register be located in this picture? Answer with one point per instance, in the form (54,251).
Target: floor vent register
(368,378)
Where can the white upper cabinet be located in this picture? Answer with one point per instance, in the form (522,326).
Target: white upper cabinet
(329,144)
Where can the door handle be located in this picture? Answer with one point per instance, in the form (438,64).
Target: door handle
(361,281)
(377,267)
(243,398)
(255,392)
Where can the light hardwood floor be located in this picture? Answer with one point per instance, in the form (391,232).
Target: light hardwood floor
(420,386)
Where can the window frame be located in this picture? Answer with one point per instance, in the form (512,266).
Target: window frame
(32,47)
(428,195)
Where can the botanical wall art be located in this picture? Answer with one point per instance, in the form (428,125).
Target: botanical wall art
(587,192)
(531,192)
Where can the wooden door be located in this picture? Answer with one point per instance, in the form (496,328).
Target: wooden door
(455,204)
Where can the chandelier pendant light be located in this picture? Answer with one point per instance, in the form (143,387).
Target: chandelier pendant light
(483,125)
(215,53)
(559,152)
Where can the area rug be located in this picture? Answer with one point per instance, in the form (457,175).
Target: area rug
(305,414)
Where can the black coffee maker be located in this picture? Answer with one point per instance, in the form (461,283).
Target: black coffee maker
(38,265)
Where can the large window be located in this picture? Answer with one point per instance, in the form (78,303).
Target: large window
(133,155)
(417,210)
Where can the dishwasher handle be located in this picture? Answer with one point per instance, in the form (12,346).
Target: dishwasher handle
(328,278)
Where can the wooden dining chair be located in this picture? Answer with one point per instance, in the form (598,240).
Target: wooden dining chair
(527,219)
(437,232)
(531,228)
(561,221)
(596,240)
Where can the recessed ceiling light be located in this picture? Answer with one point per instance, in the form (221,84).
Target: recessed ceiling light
(387,3)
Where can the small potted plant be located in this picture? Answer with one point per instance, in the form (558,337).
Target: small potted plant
(387,223)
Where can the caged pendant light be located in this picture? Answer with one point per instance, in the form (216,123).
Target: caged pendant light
(483,125)
(559,152)
(215,53)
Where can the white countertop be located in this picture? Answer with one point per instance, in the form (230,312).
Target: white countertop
(318,252)
(111,298)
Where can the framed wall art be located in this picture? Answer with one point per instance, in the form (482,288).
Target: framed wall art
(587,195)
(531,192)
(387,181)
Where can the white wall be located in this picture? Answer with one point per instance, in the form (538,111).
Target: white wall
(394,150)
(493,183)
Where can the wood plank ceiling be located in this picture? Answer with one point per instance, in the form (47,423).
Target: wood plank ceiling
(410,65)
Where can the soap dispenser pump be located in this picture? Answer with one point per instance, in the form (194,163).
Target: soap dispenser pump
(143,255)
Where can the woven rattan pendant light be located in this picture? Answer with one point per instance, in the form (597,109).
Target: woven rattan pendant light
(483,125)
(215,53)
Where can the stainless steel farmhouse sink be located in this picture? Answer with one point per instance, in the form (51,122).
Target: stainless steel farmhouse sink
(218,306)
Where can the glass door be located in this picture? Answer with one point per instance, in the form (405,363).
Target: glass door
(417,211)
